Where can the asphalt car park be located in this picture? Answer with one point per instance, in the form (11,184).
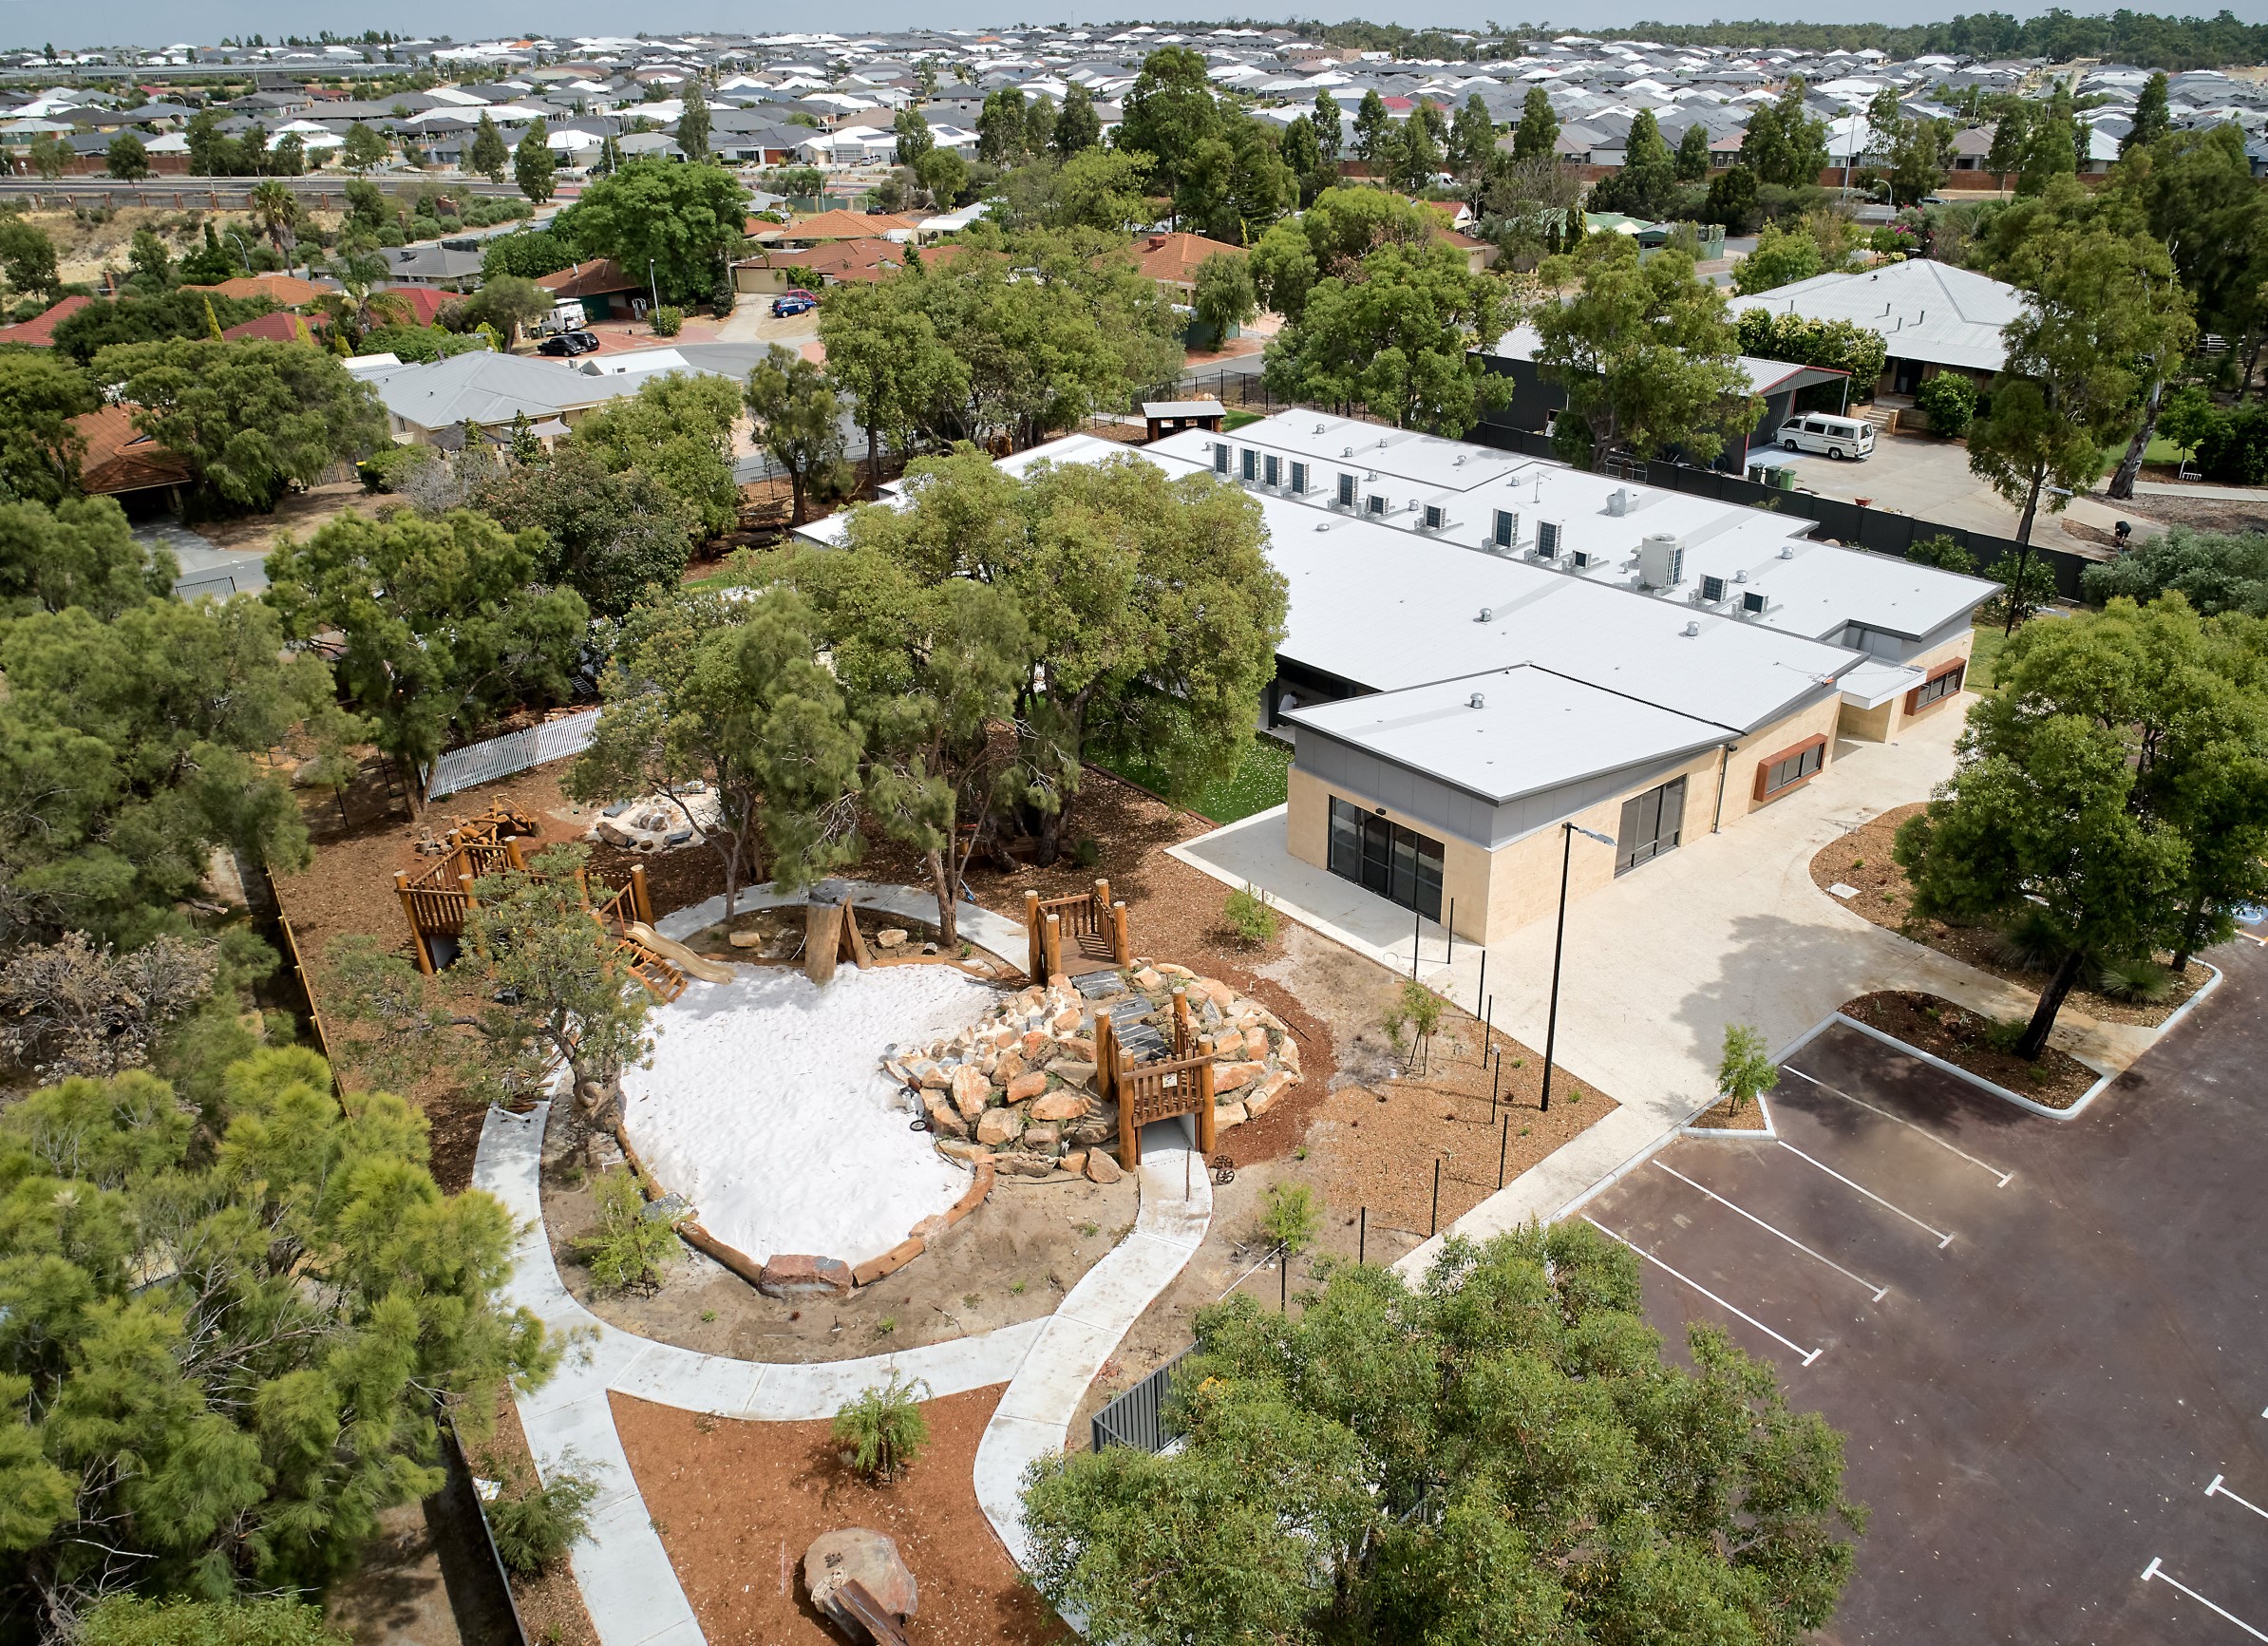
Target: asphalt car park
(2043,1340)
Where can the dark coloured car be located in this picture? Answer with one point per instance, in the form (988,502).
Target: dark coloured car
(569,343)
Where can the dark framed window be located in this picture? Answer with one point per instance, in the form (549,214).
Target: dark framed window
(1651,825)
(1381,855)
(1936,687)
(1791,766)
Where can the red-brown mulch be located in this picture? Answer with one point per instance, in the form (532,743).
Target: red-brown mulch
(737,1503)
(1721,1116)
(1959,1037)
(1863,858)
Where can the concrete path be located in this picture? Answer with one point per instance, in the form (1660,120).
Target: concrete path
(2163,488)
(1727,928)
(628,1584)
(1034,1416)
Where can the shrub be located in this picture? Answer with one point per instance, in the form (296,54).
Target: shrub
(1291,1217)
(1745,1070)
(630,1247)
(534,1524)
(126,1620)
(2144,981)
(1942,552)
(1417,1008)
(883,1430)
(668,320)
(1250,913)
(1950,401)
(2030,943)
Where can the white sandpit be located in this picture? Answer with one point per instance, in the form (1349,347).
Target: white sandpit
(765,1109)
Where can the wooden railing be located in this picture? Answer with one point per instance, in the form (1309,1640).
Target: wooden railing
(1151,1091)
(436,901)
(1089,920)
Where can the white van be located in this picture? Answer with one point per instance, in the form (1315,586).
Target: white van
(1836,436)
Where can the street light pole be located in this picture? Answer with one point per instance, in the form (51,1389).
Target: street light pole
(652,285)
(1570,828)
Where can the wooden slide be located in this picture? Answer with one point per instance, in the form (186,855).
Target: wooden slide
(677,955)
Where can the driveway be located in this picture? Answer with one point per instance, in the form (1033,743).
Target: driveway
(2043,1339)
(1730,928)
(1915,474)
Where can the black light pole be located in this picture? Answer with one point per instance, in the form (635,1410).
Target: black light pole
(1551,1025)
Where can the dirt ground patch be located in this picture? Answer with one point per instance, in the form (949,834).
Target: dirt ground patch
(1863,858)
(1962,1037)
(1721,1116)
(2201,514)
(736,1505)
(1009,1260)
(296,514)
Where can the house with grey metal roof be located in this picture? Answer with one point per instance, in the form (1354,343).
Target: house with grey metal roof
(1932,316)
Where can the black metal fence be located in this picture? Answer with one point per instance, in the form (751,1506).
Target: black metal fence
(471,1569)
(1137,1418)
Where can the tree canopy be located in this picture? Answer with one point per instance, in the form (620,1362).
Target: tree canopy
(81,553)
(441,624)
(1645,353)
(229,1329)
(685,221)
(678,428)
(609,534)
(250,417)
(1502,1455)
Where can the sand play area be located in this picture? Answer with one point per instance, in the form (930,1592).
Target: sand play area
(766,1107)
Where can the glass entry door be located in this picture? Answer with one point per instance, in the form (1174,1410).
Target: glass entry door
(1380,854)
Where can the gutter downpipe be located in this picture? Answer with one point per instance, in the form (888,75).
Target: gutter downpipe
(1716,823)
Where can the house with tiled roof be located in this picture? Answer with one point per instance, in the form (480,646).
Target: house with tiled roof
(1172,259)
(281,326)
(39,331)
(835,263)
(284,291)
(603,286)
(121,462)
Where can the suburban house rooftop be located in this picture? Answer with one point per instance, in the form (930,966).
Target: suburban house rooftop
(1924,310)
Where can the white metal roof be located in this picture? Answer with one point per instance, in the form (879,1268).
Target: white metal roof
(1924,310)
(1811,589)
(1510,732)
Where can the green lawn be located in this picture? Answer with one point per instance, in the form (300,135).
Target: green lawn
(1259,784)
(1238,419)
(1984,651)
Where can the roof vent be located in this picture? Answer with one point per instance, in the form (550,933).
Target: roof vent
(1788,551)
(1691,629)
(1740,577)
(1476,701)
(1619,501)
(1347,452)
(1318,428)
(1486,613)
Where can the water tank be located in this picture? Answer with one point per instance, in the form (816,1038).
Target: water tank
(1661,560)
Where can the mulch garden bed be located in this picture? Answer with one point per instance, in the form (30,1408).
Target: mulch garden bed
(1721,1116)
(1863,858)
(736,1505)
(1962,1037)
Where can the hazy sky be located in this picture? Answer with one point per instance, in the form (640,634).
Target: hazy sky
(159,22)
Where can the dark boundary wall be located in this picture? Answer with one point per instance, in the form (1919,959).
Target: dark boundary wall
(1882,530)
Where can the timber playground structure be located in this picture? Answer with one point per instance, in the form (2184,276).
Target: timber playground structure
(436,900)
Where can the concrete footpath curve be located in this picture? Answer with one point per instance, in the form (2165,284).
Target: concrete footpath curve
(1033,1419)
(628,1584)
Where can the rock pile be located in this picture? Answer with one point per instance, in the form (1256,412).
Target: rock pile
(656,823)
(1017,1087)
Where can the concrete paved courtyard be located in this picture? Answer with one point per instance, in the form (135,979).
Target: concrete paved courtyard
(1919,475)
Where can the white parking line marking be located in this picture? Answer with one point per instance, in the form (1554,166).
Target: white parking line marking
(2216,1489)
(1983,1165)
(1944,1239)
(2152,1571)
(1799,1246)
(1809,1354)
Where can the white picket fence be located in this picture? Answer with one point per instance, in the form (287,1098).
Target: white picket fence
(478,763)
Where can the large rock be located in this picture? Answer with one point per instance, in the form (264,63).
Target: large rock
(1263,1098)
(970,1090)
(943,1118)
(1041,1140)
(868,1558)
(1073,1163)
(1026,1165)
(889,936)
(793,1275)
(1023,1087)
(1061,1105)
(1256,1043)
(999,1126)
(1228,1114)
(1009,1066)
(1229,1076)
(1101,1168)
